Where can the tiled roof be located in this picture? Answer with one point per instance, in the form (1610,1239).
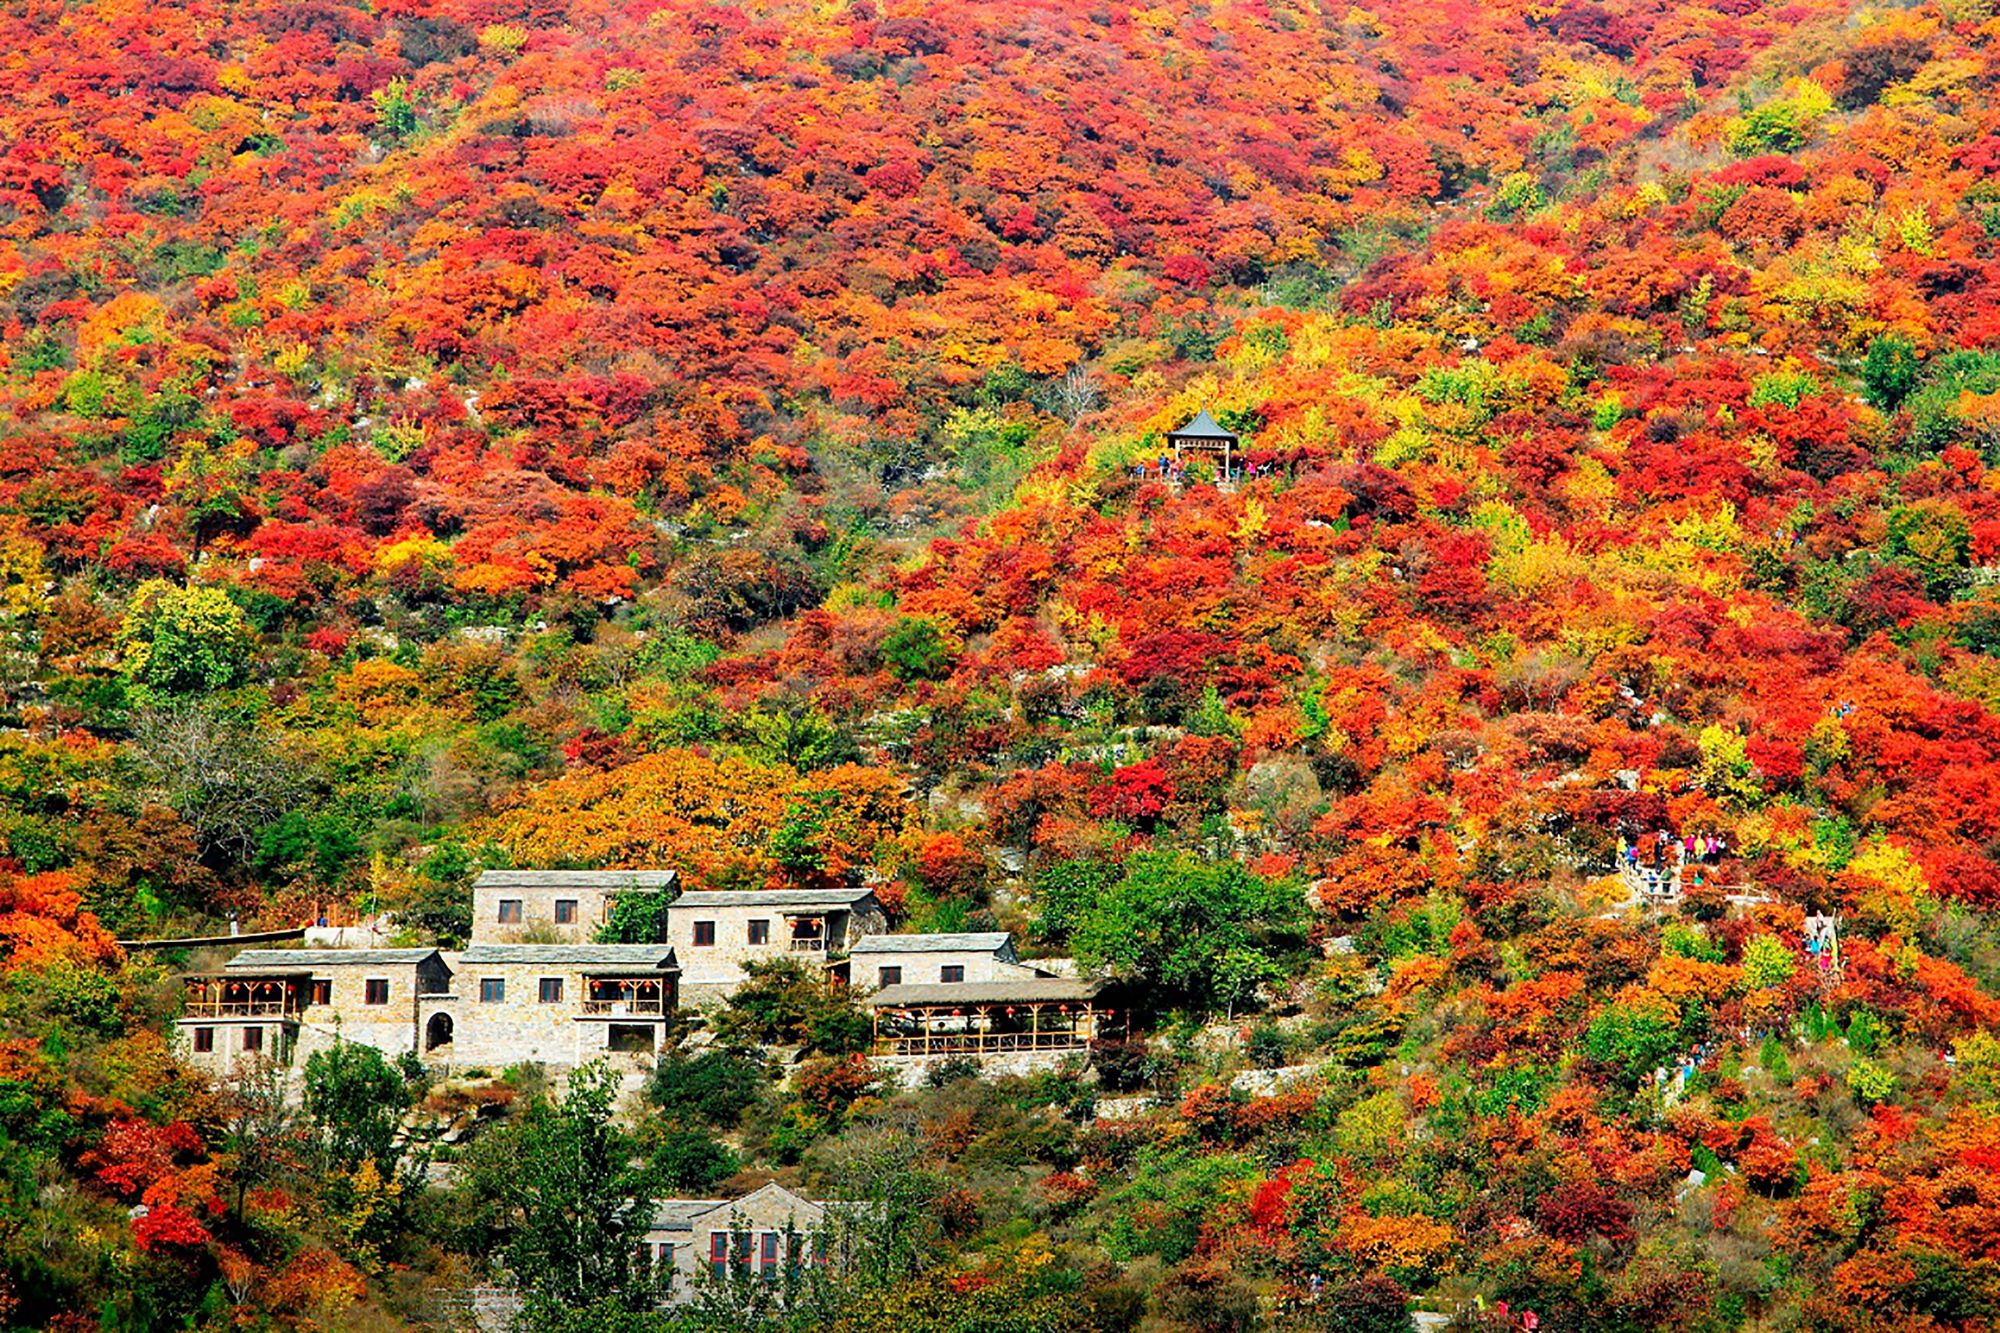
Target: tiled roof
(1027,990)
(270,960)
(571,955)
(977,941)
(577,879)
(777,898)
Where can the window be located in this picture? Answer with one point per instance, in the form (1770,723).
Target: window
(760,932)
(767,1255)
(950,974)
(377,991)
(204,1039)
(718,1253)
(890,976)
(739,1250)
(492,990)
(704,934)
(253,1039)
(551,992)
(510,911)
(565,911)
(322,992)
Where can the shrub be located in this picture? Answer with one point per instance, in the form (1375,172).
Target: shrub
(713,1088)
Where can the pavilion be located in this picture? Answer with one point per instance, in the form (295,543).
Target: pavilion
(987,1018)
(1204,436)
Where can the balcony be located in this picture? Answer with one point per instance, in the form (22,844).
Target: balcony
(808,944)
(285,1008)
(648,1008)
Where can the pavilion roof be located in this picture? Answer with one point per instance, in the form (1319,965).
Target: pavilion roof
(1202,429)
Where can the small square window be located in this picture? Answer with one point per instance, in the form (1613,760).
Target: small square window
(704,934)
(551,990)
(322,992)
(890,976)
(253,1039)
(565,911)
(492,990)
(948,975)
(376,991)
(204,1039)
(760,932)
(510,911)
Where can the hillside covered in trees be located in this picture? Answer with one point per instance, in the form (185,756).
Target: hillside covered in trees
(439,435)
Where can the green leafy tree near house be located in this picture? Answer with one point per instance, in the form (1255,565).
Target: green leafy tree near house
(561,1183)
(355,1100)
(1204,934)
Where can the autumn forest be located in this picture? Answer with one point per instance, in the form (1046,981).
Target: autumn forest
(1539,801)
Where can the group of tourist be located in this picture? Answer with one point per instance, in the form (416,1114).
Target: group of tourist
(1657,851)
(1173,470)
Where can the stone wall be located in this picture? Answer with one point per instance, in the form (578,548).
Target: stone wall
(709,972)
(538,913)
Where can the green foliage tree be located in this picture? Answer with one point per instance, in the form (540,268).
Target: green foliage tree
(1767,962)
(1889,372)
(570,1201)
(918,648)
(691,1161)
(785,1002)
(354,1100)
(1204,934)
(636,918)
(1633,1041)
(179,641)
(713,1088)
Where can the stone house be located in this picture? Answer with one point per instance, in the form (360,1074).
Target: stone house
(714,934)
(561,1004)
(281,1004)
(951,959)
(554,906)
(759,1234)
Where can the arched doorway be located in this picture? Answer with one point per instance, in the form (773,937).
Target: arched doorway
(437,1032)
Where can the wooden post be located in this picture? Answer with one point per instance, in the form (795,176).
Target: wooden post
(1034,1026)
(877,1043)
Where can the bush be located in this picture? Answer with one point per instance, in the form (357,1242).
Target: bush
(918,648)
(713,1088)
(1269,1047)
(690,1160)
(1890,371)
(1126,1066)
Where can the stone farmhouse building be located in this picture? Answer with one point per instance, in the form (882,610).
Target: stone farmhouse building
(277,1004)
(714,934)
(554,906)
(894,960)
(759,1235)
(559,1004)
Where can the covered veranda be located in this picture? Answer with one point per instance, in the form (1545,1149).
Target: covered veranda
(988,1018)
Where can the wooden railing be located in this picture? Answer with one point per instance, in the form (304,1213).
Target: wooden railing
(240,1009)
(982,1043)
(808,945)
(619,1008)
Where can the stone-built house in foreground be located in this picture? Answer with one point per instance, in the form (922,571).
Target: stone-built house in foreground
(560,1004)
(283,1004)
(758,1235)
